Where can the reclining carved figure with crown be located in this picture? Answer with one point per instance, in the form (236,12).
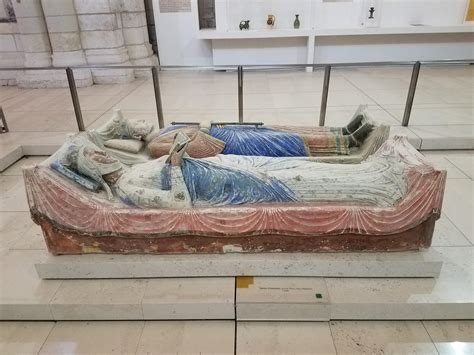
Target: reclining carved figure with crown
(87,200)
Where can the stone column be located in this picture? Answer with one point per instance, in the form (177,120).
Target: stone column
(35,43)
(63,28)
(11,52)
(135,33)
(102,39)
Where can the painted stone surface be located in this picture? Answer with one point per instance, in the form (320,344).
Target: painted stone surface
(75,220)
(359,137)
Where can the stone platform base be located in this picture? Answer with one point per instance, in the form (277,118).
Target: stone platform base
(397,264)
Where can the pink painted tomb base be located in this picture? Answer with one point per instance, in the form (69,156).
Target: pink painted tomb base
(77,221)
(61,241)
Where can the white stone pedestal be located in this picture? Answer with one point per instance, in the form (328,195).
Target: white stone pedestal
(402,264)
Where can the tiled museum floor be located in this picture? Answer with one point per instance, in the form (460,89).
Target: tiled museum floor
(222,337)
(21,241)
(443,106)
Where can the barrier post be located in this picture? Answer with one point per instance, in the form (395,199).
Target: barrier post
(324,98)
(75,99)
(159,106)
(411,93)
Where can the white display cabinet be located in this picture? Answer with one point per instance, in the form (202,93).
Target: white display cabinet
(330,31)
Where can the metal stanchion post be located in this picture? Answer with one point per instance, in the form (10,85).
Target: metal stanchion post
(75,99)
(240,80)
(159,106)
(4,126)
(411,93)
(324,98)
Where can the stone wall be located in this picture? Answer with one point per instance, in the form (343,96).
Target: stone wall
(58,33)
(11,50)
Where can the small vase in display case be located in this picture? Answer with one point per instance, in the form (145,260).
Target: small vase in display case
(271,21)
(296,23)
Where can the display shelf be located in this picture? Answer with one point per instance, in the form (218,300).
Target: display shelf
(413,29)
(275,33)
(285,33)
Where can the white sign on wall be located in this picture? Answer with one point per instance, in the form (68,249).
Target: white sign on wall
(175,6)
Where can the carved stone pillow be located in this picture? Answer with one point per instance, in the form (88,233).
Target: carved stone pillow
(127,145)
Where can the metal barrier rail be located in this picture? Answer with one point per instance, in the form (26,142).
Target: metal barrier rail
(3,122)
(240,82)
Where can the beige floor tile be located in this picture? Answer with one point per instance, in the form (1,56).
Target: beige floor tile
(429,80)
(7,92)
(13,194)
(399,96)
(455,283)
(452,337)
(32,239)
(142,102)
(261,101)
(458,205)
(349,98)
(110,90)
(353,297)
(187,337)
(194,86)
(307,117)
(16,169)
(262,86)
(463,161)
(381,338)
(22,294)
(99,299)
(446,234)
(375,82)
(450,96)
(431,116)
(13,225)
(33,138)
(45,102)
(441,162)
(189,298)
(290,100)
(93,338)
(49,121)
(284,338)
(23,337)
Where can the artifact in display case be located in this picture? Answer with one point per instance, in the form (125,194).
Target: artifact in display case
(244,25)
(296,23)
(271,21)
(371,13)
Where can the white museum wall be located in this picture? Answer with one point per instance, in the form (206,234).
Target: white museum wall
(176,35)
(380,48)
(338,26)
(427,12)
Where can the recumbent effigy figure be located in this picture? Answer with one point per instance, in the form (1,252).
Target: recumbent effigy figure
(180,204)
(179,181)
(137,141)
(208,139)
